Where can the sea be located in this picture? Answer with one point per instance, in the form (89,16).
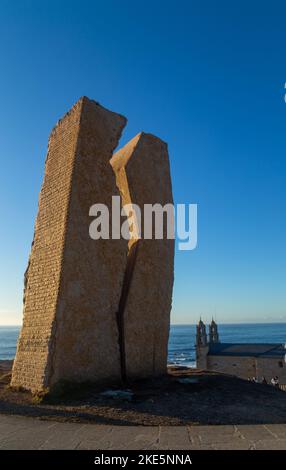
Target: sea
(182,339)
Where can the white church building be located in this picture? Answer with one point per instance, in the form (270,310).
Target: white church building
(244,360)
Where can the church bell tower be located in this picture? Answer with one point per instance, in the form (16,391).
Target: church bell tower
(202,346)
(213,332)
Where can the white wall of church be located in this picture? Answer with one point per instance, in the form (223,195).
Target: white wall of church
(248,367)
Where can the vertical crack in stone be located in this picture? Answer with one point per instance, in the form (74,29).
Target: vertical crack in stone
(118,164)
(130,265)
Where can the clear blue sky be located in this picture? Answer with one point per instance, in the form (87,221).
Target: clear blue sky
(207,77)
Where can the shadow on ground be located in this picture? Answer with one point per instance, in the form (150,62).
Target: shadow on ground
(204,398)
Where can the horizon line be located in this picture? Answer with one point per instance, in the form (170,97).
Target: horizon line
(191,324)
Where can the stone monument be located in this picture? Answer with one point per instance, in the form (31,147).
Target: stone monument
(95,310)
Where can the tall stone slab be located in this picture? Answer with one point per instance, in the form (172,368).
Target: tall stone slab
(73,283)
(143,177)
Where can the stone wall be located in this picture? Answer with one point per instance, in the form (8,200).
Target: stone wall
(270,367)
(243,367)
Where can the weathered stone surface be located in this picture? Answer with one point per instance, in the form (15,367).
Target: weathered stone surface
(73,283)
(143,177)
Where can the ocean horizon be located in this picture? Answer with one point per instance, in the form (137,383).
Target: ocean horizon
(181,350)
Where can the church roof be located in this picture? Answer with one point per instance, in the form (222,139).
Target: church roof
(247,349)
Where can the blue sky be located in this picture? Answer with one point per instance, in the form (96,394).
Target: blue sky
(208,78)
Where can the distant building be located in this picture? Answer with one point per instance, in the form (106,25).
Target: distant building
(245,360)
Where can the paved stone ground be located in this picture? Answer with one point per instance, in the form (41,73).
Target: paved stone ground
(30,433)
